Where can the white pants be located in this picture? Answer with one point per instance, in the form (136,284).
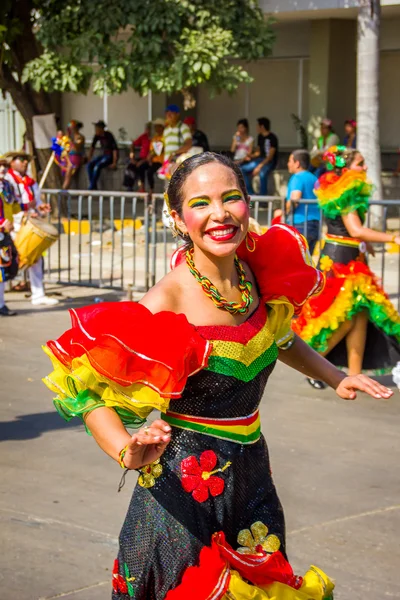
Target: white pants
(2,288)
(35,273)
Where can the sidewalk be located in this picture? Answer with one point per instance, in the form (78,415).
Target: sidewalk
(335,464)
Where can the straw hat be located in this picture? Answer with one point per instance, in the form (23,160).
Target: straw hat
(159,121)
(4,161)
(17,154)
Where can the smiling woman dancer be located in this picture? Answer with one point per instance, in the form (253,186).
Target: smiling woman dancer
(200,346)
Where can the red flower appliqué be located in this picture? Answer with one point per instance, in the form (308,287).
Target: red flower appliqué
(200,479)
(118,582)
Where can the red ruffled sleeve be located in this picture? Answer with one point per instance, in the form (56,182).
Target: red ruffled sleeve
(120,354)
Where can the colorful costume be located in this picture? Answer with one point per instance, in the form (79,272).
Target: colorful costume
(210,499)
(350,284)
(8,252)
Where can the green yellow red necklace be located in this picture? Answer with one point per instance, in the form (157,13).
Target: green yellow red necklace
(211,291)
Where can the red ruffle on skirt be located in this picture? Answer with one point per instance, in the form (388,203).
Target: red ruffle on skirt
(333,286)
(127,344)
(211,578)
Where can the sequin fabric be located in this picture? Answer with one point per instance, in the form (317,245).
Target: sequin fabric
(166,527)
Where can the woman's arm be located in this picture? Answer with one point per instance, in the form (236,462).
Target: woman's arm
(234,142)
(356,229)
(142,448)
(305,360)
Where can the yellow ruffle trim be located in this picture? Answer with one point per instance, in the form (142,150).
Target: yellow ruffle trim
(280,313)
(316,586)
(337,313)
(137,398)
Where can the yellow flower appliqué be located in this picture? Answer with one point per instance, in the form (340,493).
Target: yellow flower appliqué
(325,264)
(251,541)
(149,474)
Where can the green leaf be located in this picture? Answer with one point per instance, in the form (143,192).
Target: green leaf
(206,70)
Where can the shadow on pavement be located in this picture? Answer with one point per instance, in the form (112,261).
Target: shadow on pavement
(27,427)
(67,303)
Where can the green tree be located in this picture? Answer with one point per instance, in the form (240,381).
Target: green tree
(48,46)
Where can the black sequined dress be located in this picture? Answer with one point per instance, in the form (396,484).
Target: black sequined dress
(205,521)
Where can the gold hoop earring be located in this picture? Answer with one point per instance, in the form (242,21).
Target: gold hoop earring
(250,242)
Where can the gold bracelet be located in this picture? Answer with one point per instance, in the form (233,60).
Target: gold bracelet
(394,236)
(121,457)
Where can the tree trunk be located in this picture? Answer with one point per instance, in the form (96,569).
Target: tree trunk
(368,96)
(29,103)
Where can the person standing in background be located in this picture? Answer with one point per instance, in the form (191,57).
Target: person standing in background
(350,139)
(327,139)
(242,143)
(177,135)
(155,157)
(199,138)
(132,171)
(177,141)
(8,253)
(301,186)
(27,192)
(109,158)
(265,158)
(76,154)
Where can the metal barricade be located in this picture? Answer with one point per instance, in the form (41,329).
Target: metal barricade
(117,239)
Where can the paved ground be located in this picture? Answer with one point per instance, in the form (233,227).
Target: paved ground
(336,465)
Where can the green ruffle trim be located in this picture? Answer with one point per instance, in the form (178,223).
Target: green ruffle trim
(234,368)
(355,199)
(376,314)
(85,402)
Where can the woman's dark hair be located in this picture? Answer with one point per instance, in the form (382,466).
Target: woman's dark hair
(186,168)
(243,122)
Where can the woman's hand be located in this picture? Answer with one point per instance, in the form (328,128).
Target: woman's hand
(147,444)
(397,240)
(348,386)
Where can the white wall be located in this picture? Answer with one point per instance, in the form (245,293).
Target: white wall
(127,110)
(273,94)
(86,108)
(292,39)
(217,117)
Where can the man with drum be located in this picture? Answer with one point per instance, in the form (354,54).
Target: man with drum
(8,253)
(27,192)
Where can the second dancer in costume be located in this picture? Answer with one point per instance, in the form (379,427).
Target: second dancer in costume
(352,322)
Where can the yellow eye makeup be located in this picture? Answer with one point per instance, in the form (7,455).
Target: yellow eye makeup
(197,202)
(232,195)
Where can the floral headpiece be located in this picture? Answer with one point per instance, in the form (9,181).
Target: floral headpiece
(334,159)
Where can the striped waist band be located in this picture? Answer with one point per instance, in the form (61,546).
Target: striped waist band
(242,430)
(341,240)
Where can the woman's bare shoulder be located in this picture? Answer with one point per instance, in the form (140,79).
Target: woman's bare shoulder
(167,293)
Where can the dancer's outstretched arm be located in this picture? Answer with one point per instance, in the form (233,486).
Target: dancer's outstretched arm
(303,358)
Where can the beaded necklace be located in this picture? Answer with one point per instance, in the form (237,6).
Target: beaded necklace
(211,291)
